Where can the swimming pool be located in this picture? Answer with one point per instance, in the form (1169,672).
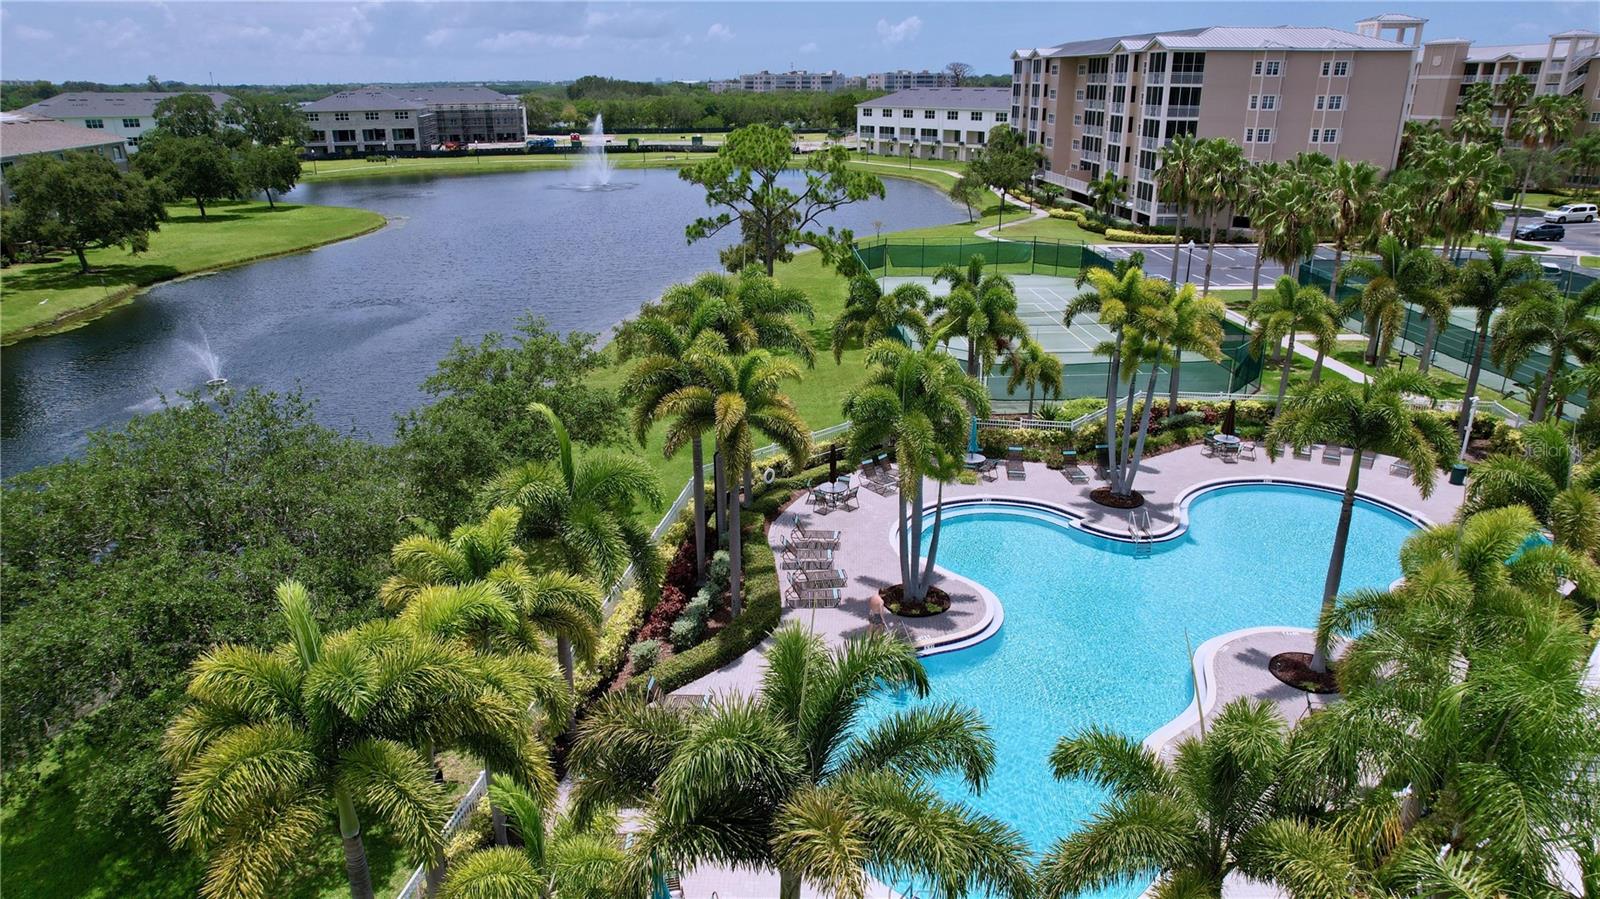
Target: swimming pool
(1093,634)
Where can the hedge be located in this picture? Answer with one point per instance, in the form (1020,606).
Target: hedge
(763,606)
(1136,237)
(614,641)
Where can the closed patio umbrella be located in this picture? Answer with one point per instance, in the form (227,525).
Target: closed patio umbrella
(1227,418)
(833,462)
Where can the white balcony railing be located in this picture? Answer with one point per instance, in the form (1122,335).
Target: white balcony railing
(1153,143)
(1188,77)
(1097,78)
(1155,77)
(1119,108)
(1142,205)
(1090,156)
(1120,78)
(1183,112)
(1094,104)
(1147,174)
(1094,130)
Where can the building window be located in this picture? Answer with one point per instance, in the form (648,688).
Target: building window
(312,116)
(1055,68)
(94,123)
(1315,133)
(977,116)
(868,131)
(928,113)
(130,123)
(1337,68)
(1080,95)
(1258,135)
(1594,118)
(342,136)
(907,113)
(1083,68)
(404,134)
(1038,66)
(866,112)
(371,116)
(1267,67)
(1075,143)
(1049,141)
(1050,119)
(1330,135)
(372,135)
(1077,120)
(319,137)
(1336,101)
(403,114)
(1052,93)
(1264,101)
(999,117)
(341,117)
(952,115)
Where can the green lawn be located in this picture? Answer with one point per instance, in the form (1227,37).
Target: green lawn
(1451,385)
(1058,229)
(1540,200)
(40,297)
(1589,261)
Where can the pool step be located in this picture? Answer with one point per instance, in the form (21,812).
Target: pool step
(1139,532)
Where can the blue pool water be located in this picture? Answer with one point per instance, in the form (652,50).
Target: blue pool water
(1095,635)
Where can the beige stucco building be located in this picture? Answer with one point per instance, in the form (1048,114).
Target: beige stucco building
(1446,69)
(1110,104)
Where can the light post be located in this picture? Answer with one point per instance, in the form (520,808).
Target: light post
(1188,260)
(1466,434)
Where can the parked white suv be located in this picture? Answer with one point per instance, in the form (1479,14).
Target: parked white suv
(1572,212)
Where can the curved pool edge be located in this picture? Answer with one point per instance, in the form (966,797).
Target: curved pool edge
(989,622)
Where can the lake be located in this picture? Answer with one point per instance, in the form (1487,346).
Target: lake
(358,325)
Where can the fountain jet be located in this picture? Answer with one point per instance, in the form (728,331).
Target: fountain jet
(596,167)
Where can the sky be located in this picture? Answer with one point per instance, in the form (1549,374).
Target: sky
(284,42)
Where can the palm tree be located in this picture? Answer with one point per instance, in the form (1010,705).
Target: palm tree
(1219,808)
(575,862)
(735,397)
(1547,119)
(1108,191)
(1371,417)
(1288,311)
(1559,324)
(1116,297)
(1583,154)
(870,315)
(1353,195)
(1221,172)
(784,780)
(1295,210)
(1177,182)
(750,310)
(1468,180)
(1487,285)
(1474,118)
(660,347)
(1544,479)
(1513,93)
(1172,321)
(1395,277)
(581,512)
(981,309)
(917,400)
(1029,363)
(274,746)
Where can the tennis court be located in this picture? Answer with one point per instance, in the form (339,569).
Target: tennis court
(1041,300)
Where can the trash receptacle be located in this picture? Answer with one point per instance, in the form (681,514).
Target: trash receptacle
(697,141)
(633,143)
(1102,454)
(1458,474)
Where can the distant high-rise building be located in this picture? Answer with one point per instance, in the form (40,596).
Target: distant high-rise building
(903,79)
(764,82)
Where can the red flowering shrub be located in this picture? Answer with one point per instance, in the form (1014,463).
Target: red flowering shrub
(659,624)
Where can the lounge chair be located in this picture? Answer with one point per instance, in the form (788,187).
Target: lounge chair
(1368,459)
(817,534)
(817,578)
(1400,467)
(1075,474)
(1304,452)
(1332,455)
(798,541)
(1014,469)
(1247,450)
(803,597)
(806,559)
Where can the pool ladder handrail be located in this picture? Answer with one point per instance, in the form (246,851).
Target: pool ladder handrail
(1139,532)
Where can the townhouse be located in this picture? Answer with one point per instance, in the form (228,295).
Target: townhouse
(932,123)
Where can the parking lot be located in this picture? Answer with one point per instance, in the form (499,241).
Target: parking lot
(1581,238)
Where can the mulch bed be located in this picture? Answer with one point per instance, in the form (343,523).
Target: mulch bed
(1294,669)
(894,599)
(1104,497)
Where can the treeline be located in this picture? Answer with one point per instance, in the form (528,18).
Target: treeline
(692,108)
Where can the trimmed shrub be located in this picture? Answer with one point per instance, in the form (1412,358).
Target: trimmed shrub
(717,574)
(687,631)
(1117,234)
(1185,419)
(613,646)
(645,654)
(1089,224)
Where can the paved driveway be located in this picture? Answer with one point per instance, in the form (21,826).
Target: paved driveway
(1232,266)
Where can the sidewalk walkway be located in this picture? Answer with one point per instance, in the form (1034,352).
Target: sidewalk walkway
(1330,364)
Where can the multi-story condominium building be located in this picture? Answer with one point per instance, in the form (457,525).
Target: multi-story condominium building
(932,123)
(377,120)
(1111,104)
(905,78)
(368,121)
(764,82)
(722,85)
(1447,69)
(117,115)
(23,135)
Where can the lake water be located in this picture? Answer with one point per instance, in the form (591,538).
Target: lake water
(358,325)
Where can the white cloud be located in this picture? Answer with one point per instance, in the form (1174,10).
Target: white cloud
(439,36)
(29,33)
(532,40)
(900,32)
(808,47)
(719,32)
(347,33)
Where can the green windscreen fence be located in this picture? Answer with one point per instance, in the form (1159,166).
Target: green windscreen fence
(912,256)
(1237,372)
(1457,341)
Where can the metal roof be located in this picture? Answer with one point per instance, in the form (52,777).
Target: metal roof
(453,93)
(26,136)
(991,98)
(1509,51)
(1395,17)
(357,101)
(79,104)
(371,98)
(1224,37)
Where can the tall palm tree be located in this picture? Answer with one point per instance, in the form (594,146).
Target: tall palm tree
(1486,286)
(1559,324)
(1108,192)
(272,747)
(1222,170)
(1513,93)
(1116,298)
(572,861)
(784,780)
(659,347)
(1583,154)
(1474,121)
(1177,182)
(1256,185)
(1547,119)
(1353,196)
(1467,182)
(917,400)
(1543,479)
(982,310)
(580,513)
(1218,809)
(1396,276)
(1029,363)
(870,315)
(1370,417)
(735,397)
(1286,312)
(1298,211)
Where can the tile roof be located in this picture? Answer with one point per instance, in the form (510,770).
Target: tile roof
(110,103)
(25,136)
(946,98)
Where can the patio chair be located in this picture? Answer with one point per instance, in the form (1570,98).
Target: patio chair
(1304,452)
(1247,450)
(807,559)
(1209,446)
(1332,455)
(1075,474)
(989,470)
(819,578)
(1228,453)
(821,501)
(1368,459)
(844,500)
(818,534)
(1014,469)
(1400,467)
(799,597)
(799,541)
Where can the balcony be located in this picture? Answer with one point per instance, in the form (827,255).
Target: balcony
(1094,104)
(1094,130)
(1090,156)
(1188,77)
(1096,77)
(1155,77)
(1147,174)
(1142,205)
(1120,78)
(1153,143)
(1183,112)
(1119,108)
